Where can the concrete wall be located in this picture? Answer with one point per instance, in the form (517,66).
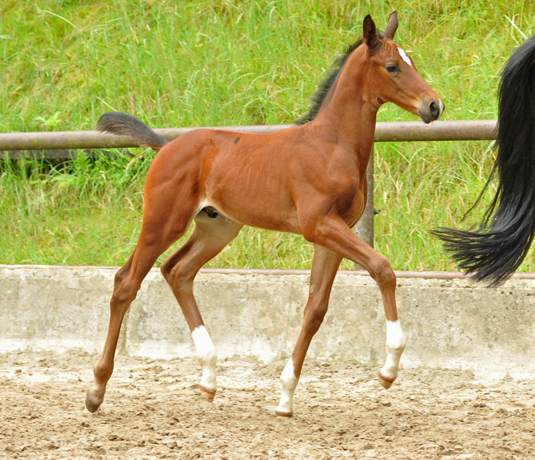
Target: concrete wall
(450,321)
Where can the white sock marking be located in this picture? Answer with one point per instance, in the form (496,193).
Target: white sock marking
(395,344)
(288,383)
(206,355)
(404,56)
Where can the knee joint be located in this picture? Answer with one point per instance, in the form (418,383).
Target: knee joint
(381,271)
(314,316)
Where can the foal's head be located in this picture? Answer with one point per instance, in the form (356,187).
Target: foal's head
(393,75)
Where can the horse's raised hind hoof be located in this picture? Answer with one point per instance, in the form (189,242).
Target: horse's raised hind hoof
(207,393)
(385,383)
(284,414)
(92,406)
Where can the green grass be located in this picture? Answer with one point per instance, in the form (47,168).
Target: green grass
(222,62)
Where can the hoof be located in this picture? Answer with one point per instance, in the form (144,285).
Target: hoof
(207,393)
(385,383)
(92,405)
(284,414)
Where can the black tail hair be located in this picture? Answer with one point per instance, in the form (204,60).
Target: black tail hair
(497,248)
(123,124)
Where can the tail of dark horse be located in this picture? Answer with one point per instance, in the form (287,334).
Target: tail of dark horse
(497,248)
(123,124)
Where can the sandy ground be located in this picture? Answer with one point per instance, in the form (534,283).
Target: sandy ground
(153,410)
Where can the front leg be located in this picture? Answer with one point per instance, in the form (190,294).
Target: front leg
(395,344)
(333,233)
(324,268)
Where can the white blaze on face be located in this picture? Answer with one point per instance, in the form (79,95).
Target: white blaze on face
(404,56)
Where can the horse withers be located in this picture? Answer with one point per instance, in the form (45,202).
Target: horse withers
(309,179)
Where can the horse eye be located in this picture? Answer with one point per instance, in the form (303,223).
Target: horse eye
(391,68)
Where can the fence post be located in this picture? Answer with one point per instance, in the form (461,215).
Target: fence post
(364,227)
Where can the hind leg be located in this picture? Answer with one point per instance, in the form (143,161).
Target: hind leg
(155,238)
(210,236)
(127,283)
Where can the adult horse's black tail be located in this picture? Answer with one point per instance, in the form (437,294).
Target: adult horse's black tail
(497,248)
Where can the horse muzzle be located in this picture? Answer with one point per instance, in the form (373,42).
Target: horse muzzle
(431,110)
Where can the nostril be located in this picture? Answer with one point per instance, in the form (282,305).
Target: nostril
(434,109)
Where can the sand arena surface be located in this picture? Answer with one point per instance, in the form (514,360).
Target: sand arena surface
(153,410)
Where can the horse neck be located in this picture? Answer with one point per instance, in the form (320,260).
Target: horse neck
(348,113)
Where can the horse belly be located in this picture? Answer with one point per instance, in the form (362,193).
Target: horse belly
(248,179)
(257,204)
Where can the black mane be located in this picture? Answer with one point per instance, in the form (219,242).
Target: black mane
(326,84)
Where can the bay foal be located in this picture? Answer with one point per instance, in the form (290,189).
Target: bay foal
(308,179)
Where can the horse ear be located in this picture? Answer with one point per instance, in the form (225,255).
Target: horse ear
(392,26)
(370,33)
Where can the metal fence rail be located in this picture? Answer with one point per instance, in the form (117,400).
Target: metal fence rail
(385,132)
(63,145)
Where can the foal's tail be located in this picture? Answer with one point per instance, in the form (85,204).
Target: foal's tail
(123,124)
(497,248)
